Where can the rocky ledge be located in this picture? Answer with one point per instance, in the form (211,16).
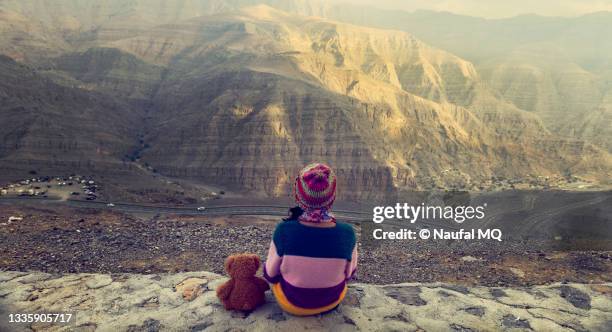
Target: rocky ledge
(187,302)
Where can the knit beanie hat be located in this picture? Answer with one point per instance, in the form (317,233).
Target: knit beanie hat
(315,187)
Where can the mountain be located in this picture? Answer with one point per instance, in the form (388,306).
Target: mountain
(245,98)
(559,68)
(260,80)
(27,39)
(582,38)
(570,100)
(49,127)
(575,46)
(111,71)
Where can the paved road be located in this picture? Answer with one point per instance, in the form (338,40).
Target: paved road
(227,210)
(259,210)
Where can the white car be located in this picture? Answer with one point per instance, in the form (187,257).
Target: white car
(110,204)
(201,208)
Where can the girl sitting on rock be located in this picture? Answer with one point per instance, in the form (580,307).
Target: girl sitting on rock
(312,256)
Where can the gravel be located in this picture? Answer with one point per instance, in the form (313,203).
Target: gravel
(108,243)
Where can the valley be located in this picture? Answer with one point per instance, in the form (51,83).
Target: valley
(241,98)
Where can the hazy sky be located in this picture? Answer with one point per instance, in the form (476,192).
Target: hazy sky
(496,8)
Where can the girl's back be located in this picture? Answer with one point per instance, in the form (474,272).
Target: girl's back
(312,257)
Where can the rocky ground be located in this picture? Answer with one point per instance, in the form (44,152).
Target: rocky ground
(187,302)
(77,241)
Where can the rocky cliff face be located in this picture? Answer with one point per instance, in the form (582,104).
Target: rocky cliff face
(111,71)
(570,100)
(265,89)
(558,68)
(50,126)
(230,131)
(256,130)
(187,301)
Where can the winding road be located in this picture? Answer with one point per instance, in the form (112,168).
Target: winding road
(353,217)
(257,210)
(537,213)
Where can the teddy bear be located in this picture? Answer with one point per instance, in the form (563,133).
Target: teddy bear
(244,291)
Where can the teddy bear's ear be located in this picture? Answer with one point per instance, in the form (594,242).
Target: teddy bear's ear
(228,264)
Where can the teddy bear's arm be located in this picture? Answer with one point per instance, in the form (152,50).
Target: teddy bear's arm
(262,284)
(224,291)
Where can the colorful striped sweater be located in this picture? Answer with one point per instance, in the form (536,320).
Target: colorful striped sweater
(312,264)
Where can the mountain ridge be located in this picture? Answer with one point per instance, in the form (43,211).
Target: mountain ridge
(244,99)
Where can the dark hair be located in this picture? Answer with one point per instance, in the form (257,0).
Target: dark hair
(294,213)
